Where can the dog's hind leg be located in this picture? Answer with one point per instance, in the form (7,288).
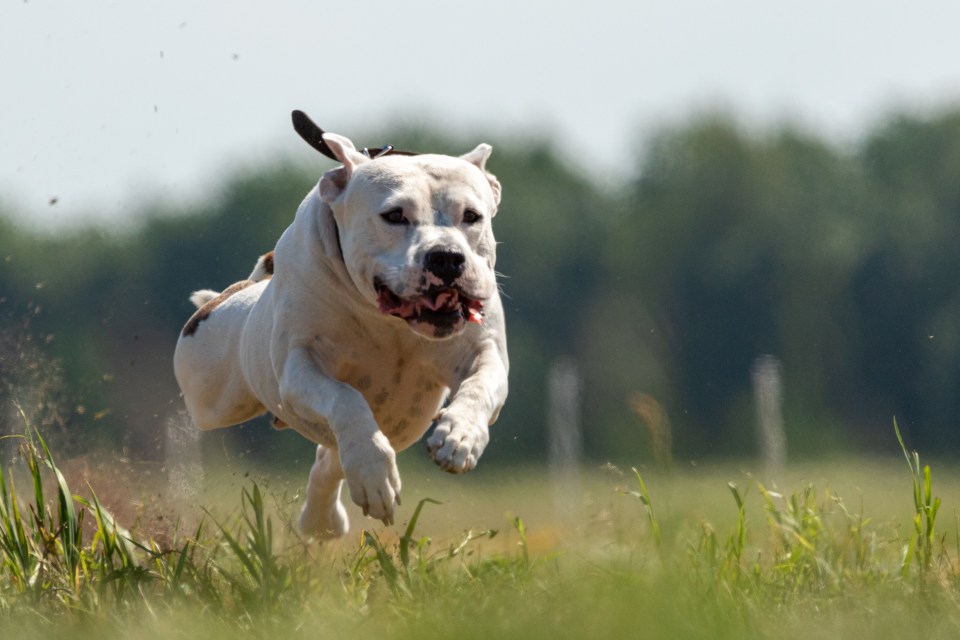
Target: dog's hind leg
(323,515)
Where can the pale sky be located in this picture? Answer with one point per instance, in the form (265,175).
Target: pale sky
(105,105)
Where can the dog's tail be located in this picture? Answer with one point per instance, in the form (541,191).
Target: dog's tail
(202,297)
(261,271)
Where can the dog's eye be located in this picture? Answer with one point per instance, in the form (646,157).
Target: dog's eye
(394,216)
(471,217)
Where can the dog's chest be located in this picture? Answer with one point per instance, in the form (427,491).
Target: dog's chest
(403,394)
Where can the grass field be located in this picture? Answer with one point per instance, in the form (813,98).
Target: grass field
(845,548)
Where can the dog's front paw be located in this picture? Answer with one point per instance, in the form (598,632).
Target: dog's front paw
(456,444)
(370,469)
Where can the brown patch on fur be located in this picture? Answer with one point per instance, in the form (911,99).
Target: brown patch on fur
(279,424)
(268,263)
(204,312)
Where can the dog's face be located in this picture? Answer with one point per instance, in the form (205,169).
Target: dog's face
(416,234)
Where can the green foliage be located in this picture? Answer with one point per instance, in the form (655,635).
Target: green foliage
(812,565)
(726,244)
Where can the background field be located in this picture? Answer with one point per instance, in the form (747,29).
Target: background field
(725,245)
(661,293)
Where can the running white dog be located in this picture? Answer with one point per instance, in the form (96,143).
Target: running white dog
(378,305)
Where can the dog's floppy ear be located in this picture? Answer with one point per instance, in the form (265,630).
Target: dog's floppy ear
(335,181)
(479,157)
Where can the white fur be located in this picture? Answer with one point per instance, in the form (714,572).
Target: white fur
(311,346)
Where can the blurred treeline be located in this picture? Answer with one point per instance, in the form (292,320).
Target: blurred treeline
(725,244)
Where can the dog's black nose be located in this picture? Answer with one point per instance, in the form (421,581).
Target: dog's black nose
(446,264)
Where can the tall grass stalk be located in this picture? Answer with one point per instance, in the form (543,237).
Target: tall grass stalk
(21,560)
(921,545)
(644,496)
(264,580)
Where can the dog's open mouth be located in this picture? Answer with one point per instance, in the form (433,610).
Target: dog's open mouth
(438,306)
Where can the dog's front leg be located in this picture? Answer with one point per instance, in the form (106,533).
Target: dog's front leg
(462,430)
(368,461)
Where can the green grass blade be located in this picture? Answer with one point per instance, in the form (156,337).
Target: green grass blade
(648,507)
(407,538)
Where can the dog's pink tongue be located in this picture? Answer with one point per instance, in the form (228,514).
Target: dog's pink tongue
(394,306)
(443,299)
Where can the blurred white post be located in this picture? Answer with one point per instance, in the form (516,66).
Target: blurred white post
(565,447)
(182,458)
(768,398)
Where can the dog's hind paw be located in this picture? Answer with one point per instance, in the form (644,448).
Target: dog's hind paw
(334,523)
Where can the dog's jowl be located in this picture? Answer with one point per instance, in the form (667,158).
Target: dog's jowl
(376,315)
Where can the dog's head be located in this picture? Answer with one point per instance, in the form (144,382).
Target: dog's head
(416,234)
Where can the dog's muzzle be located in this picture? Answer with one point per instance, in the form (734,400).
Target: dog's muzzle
(438,312)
